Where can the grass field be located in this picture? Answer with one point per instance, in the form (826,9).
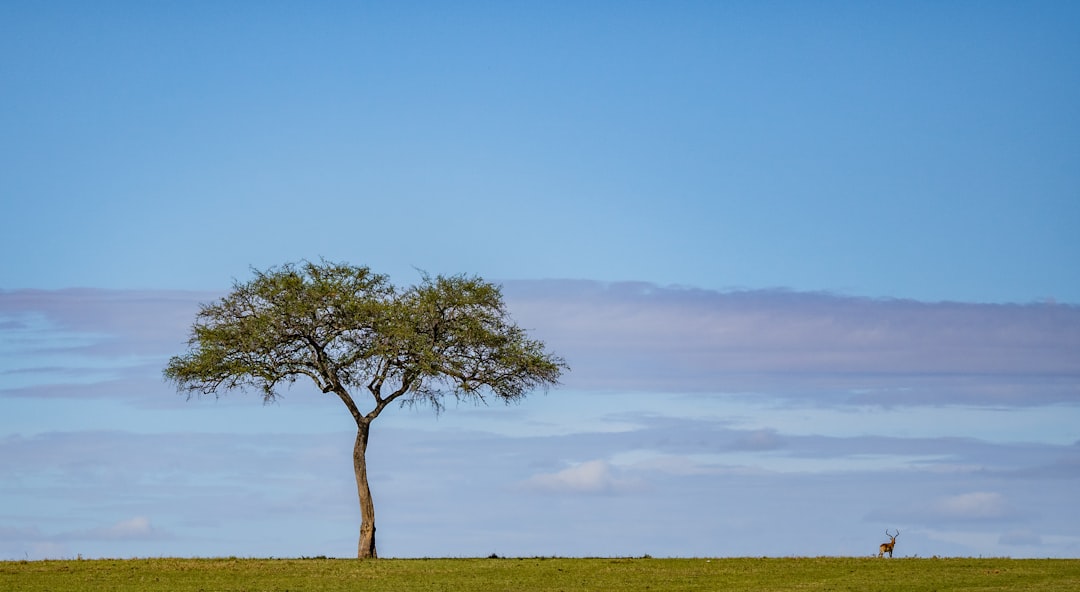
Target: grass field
(460,575)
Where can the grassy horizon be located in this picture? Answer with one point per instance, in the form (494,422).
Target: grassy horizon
(543,573)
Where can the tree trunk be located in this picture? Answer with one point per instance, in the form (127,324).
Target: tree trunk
(366,548)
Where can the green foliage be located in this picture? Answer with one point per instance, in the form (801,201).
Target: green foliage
(540,574)
(348,329)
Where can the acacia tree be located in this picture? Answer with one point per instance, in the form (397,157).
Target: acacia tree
(370,344)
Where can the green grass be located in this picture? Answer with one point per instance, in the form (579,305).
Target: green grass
(460,575)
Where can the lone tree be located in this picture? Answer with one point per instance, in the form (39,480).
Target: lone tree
(353,333)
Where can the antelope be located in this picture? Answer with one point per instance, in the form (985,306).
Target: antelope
(888,547)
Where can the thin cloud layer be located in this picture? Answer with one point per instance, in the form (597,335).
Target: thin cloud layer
(80,343)
(594,476)
(633,336)
(818,346)
(975,505)
(138,528)
(680,410)
(147,316)
(680,487)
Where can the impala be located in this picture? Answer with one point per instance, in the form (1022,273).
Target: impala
(888,547)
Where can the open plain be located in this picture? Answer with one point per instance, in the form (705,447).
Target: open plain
(555,574)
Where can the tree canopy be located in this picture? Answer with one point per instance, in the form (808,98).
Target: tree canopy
(350,331)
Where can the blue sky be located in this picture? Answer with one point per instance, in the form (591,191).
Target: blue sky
(810,264)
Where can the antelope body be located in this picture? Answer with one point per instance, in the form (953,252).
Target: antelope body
(888,547)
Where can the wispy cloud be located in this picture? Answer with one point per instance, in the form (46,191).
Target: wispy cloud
(32,543)
(221,493)
(823,348)
(90,343)
(814,346)
(731,413)
(122,312)
(975,505)
(132,529)
(594,476)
